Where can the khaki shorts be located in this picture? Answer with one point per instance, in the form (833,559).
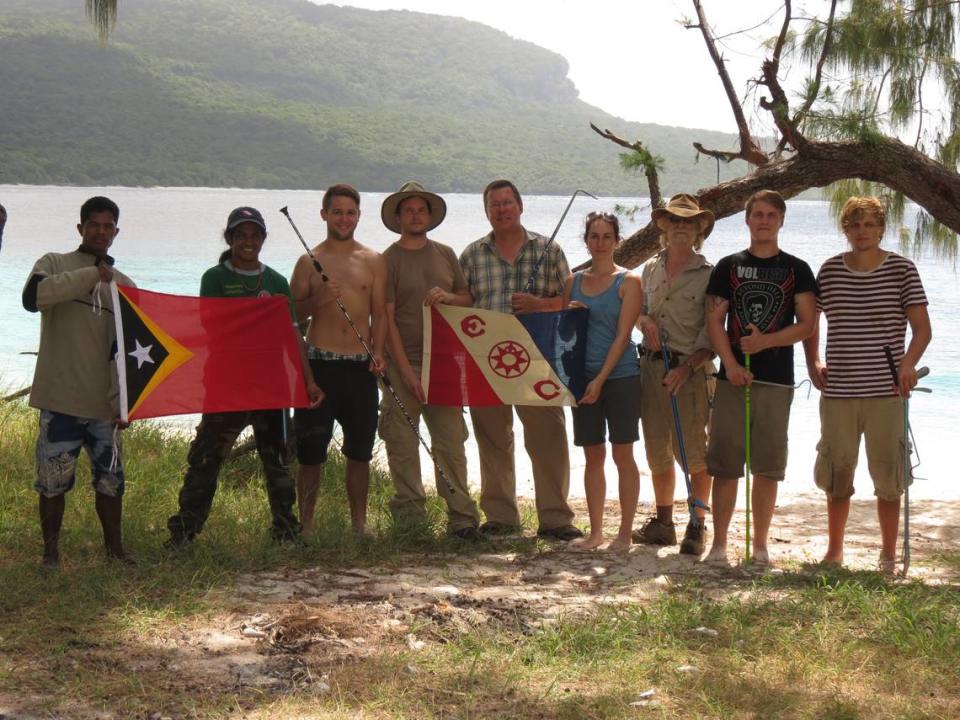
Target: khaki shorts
(769,420)
(656,418)
(842,422)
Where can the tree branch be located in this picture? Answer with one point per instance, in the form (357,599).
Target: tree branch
(900,167)
(782,37)
(725,155)
(818,74)
(749,149)
(649,170)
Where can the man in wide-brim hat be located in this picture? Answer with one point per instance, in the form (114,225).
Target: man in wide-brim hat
(685,206)
(389,211)
(421,272)
(674,317)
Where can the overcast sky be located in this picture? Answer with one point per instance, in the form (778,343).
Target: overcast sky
(631,57)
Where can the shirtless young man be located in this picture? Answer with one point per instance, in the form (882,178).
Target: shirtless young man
(341,366)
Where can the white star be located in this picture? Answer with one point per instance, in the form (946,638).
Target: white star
(142,354)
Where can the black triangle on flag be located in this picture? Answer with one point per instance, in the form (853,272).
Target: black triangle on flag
(149,353)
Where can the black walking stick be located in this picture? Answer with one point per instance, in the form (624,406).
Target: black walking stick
(692,502)
(366,348)
(536,268)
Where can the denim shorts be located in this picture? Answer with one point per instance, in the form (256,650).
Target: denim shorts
(58,447)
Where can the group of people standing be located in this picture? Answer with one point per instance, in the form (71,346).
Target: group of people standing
(365,321)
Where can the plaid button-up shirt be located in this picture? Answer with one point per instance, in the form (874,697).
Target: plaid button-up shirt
(493,280)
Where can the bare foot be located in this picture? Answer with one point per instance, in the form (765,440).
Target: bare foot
(760,557)
(717,555)
(621,544)
(887,566)
(832,560)
(363,533)
(591,542)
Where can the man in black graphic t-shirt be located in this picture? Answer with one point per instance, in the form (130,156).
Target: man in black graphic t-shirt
(763,301)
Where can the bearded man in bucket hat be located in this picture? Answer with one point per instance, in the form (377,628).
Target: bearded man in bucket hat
(674,314)
(421,271)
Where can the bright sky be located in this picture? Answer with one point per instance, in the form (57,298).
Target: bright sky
(631,57)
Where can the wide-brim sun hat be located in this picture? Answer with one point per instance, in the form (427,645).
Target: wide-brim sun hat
(388,211)
(685,206)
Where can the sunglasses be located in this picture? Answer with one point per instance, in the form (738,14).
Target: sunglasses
(679,220)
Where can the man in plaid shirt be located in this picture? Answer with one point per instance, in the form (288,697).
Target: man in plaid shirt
(498,267)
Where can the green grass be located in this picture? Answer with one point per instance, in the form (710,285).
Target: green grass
(826,646)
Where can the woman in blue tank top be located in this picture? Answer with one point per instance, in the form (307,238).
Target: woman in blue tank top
(612,398)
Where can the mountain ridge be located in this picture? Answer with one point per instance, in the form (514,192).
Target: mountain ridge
(292,94)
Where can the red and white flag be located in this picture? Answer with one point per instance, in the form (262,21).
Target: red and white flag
(476,358)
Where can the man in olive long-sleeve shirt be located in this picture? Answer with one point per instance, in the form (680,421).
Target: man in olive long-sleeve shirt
(75,382)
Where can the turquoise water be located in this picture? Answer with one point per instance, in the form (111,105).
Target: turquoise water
(169,236)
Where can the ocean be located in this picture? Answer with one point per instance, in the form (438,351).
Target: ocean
(169,236)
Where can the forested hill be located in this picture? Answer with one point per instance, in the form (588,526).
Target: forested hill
(286,93)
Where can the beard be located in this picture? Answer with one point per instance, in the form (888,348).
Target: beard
(334,234)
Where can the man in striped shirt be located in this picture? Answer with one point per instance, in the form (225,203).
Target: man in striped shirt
(868,296)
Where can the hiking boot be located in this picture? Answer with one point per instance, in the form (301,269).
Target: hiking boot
(467,534)
(564,532)
(655,532)
(178,542)
(492,527)
(286,533)
(693,539)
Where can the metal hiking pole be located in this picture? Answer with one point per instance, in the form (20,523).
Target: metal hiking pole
(907,470)
(536,268)
(692,502)
(746,445)
(366,348)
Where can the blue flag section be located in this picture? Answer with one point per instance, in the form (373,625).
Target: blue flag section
(562,339)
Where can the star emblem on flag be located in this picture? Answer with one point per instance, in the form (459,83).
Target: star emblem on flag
(142,354)
(509,359)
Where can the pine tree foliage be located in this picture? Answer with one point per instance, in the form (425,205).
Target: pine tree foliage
(894,71)
(103,15)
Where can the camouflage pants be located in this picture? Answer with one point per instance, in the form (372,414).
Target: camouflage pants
(216,435)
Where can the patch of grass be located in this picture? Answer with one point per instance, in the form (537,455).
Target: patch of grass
(89,591)
(950,560)
(835,645)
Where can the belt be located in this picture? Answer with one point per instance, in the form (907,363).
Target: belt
(655,355)
(315,353)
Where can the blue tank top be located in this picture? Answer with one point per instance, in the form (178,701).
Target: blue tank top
(602,328)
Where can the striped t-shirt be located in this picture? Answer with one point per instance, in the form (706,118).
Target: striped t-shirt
(865,312)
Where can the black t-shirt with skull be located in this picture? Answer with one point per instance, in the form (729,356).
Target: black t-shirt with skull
(761,291)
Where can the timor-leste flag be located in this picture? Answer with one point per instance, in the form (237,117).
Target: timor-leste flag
(179,354)
(474,357)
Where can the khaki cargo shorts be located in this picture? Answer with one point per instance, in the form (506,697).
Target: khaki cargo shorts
(842,422)
(769,420)
(656,417)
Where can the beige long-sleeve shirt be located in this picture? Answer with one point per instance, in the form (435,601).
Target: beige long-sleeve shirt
(75,373)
